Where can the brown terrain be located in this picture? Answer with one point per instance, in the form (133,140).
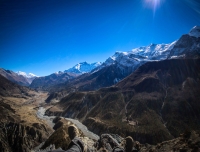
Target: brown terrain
(46,82)
(20,129)
(155,103)
(189,141)
(14,77)
(95,80)
(60,137)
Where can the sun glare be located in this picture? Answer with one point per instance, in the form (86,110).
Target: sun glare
(153,4)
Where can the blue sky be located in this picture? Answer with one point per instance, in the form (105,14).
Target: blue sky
(45,36)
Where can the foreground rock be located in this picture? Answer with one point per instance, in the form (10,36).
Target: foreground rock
(60,138)
(189,141)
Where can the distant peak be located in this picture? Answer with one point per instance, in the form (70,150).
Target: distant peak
(196,27)
(83,63)
(30,75)
(59,72)
(117,52)
(83,67)
(153,44)
(195,31)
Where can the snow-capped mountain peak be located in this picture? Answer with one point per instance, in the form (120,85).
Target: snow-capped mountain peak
(83,67)
(195,31)
(186,44)
(144,53)
(59,72)
(21,73)
(29,75)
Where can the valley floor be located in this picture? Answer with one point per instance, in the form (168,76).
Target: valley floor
(23,115)
(21,129)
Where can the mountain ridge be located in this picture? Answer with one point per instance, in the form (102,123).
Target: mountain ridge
(121,64)
(14,77)
(30,76)
(45,82)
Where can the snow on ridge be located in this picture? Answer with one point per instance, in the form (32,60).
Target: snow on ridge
(195,31)
(83,67)
(141,54)
(29,75)
(59,72)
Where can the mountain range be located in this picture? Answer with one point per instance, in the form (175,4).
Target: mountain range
(14,77)
(121,64)
(150,93)
(30,77)
(22,78)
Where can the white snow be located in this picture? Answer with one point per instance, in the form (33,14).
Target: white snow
(116,80)
(83,67)
(59,72)
(140,55)
(195,31)
(29,75)
(153,52)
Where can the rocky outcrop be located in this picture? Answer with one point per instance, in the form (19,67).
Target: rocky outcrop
(21,138)
(60,137)
(188,141)
(20,130)
(186,47)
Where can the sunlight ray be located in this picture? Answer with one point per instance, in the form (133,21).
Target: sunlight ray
(153,4)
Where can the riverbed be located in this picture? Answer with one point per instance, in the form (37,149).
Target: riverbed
(49,119)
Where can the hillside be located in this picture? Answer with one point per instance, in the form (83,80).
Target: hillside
(157,102)
(14,77)
(44,83)
(20,129)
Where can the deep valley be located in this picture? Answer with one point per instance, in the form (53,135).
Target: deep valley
(151,93)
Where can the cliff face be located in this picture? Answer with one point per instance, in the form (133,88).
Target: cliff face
(15,133)
(20,130)
(19,137)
